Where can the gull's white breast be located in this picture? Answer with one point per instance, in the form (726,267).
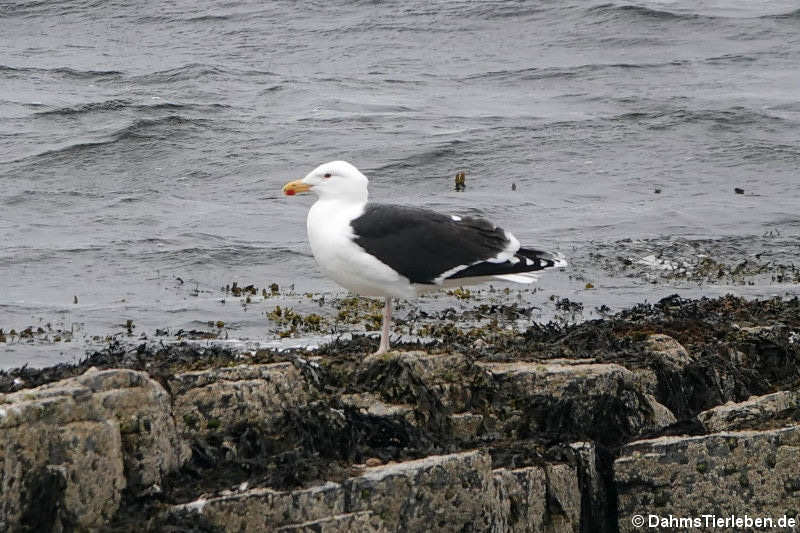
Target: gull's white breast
(340,258)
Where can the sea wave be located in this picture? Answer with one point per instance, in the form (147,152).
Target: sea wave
(49,8)
(197,71)
(208,18)
(431,155)
(30,195)
(631,11)
(789,15)
(65,72)
(221,255)
(90,107)
(539,73)
(731,58)
(26,255)
(141,129)
(733,116)
(121,104)
(763,151)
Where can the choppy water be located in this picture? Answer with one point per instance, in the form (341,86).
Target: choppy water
(145,142)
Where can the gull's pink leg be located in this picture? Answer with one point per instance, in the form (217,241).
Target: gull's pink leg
(386,326)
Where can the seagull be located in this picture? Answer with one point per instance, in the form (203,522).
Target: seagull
(395,251)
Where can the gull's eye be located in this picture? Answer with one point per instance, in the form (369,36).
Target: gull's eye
(327,175)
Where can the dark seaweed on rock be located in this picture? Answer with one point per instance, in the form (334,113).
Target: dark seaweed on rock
(717,330)
(734,348)
(142,515)
(159,360)
(319,441)
(741,347)
(397,382)
(341,433)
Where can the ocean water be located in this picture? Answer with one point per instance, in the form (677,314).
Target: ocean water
(143,145)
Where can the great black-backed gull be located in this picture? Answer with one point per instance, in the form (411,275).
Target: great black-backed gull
(398,251)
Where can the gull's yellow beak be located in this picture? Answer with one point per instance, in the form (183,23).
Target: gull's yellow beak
(294,187)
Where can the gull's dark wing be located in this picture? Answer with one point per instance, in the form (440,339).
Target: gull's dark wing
(427,247)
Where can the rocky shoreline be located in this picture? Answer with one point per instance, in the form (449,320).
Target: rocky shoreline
(684,408)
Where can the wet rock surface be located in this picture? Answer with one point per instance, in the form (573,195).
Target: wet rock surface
(558,427)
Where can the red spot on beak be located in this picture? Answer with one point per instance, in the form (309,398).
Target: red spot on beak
(289,192)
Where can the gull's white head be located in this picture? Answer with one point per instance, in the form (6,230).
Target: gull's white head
(334,180)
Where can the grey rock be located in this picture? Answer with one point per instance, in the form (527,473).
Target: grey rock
(665,354)
(55,475)
(520,500)
(442,374)
(363,522)
(596,508)
(262,509)
(79,442)
(370,403)
(151,445)
(437,493)
(218,398)
(667,351)
(596,400)
(731,473)
(768,411)
(564,497)
(536,499)
(466,426)
(561,395)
